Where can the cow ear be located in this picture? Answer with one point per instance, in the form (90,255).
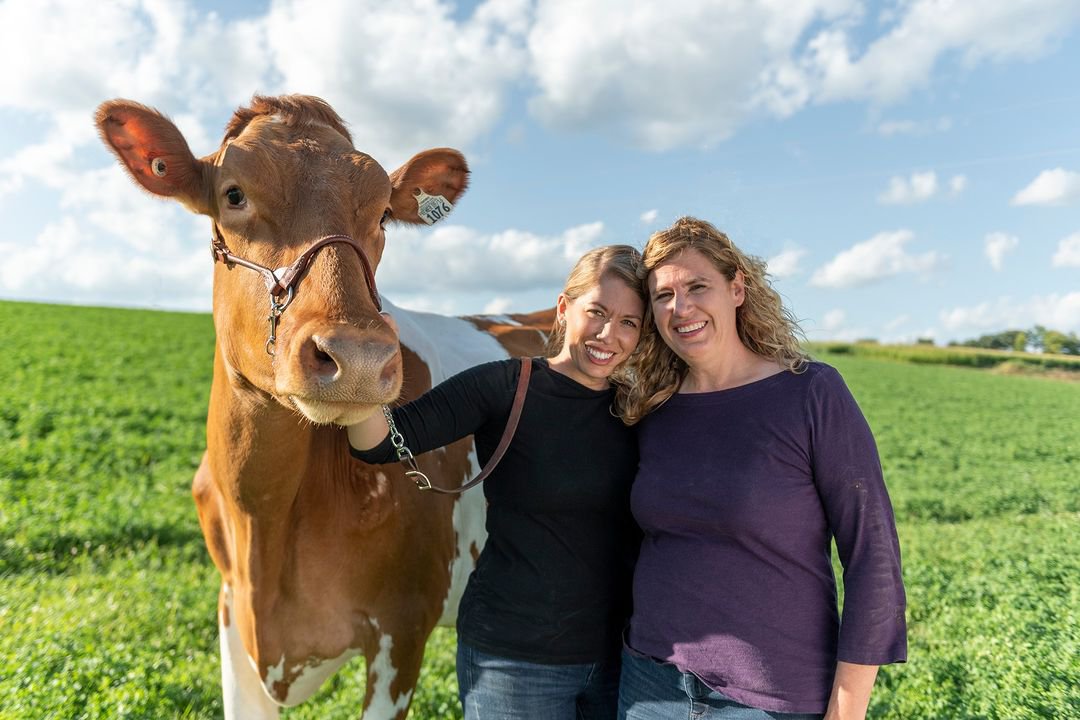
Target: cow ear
(154,152)
(426,187)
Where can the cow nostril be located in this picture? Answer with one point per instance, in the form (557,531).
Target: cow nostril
(318,361)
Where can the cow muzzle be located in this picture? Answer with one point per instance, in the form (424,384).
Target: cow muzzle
(340,374)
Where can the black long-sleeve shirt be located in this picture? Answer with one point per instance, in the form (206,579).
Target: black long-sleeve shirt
(552,584)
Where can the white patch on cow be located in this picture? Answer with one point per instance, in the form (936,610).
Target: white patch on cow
(449,345)
(274,674)
(381,674)
(501,319)
(242,689)
(246,694)
(470,512)
(307,677)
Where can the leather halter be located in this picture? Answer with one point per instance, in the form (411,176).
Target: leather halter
(284,281)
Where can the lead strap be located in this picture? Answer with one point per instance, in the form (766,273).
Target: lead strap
(423,482)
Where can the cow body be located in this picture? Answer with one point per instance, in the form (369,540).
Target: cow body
(356,559)
(322,557)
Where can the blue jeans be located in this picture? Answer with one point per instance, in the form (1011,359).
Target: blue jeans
(498,688)
(655,690)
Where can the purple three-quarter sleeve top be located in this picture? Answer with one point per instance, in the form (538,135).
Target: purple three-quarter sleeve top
(739,493)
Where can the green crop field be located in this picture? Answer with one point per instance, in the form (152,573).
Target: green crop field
(107,596)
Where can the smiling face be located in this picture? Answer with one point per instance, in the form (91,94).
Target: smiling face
(694,304)
(602,327)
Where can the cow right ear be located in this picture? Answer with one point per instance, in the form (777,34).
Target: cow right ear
(154,152)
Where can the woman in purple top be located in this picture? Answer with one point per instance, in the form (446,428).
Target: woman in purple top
(753,460)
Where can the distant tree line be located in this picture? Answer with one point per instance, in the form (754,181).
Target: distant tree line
(1037,339)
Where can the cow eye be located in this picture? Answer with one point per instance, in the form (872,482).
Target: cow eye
(385,217)
(235,196)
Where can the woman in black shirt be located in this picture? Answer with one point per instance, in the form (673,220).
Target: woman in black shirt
(539,626)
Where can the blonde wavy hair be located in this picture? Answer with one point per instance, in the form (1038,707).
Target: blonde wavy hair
(764,325)
(619,261)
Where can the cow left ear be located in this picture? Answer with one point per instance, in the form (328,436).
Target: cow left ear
(426,187)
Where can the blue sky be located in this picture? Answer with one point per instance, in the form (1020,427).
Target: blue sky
(909,169)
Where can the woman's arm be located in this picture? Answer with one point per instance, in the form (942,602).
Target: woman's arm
(851,691)
(367,434)
(449,411)
(847,472)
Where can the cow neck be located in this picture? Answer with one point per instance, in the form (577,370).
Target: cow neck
(259,449)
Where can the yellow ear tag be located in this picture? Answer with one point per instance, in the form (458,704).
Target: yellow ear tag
(432,208)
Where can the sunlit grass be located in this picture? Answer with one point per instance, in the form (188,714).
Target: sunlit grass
(107,595)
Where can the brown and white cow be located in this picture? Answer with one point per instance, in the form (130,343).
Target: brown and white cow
(321,557)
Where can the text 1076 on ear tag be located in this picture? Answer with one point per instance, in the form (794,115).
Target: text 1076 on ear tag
(432,208)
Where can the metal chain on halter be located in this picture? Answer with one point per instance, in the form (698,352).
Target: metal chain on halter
(276,309)
(404,454)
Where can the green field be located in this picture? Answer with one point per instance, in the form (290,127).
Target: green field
(107,596)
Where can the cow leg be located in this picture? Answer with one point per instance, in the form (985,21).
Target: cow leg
(392,669)
(243,692)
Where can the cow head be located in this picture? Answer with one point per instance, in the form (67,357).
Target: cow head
(285,176)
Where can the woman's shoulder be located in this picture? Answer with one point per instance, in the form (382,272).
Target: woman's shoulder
(813,369)
(497,370)
(821,374)
(814,378)
(488,379)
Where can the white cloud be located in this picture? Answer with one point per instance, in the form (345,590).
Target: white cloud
(70,262)
(880,257)
(418,73)
(685,73)
(834,319)
(897,322)
(691,72)
(649,216)
(51,161)
(907,191)
(1055,311)
(889,128)
(1052,187)
(406,75)
(957,184)
(903,59)
(457,258)
(109,242)
(786,263)
(498,306)
(1068,252)
(834,326)
(996,245)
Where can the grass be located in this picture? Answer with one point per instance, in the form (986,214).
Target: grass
(1062,365)
(107,595)
(984,475)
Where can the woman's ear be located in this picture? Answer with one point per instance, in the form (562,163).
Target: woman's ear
(738,288)
(560,309)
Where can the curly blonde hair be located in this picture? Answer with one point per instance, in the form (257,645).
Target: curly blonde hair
(619,261)
(764,325)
